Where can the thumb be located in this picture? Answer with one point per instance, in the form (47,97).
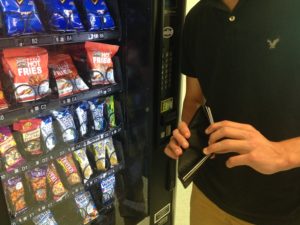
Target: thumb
(239,160)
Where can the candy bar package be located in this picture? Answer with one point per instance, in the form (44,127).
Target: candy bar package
(20,17)
(44,218)
(57,188)
(107,186)
(82,159)
(86,207)
(111,151)
(97,109)
(68,166)
(48,135)
(29,135)
(110,108)
(10,156)
(81,111)
(67,80)
(99,58)
(27,73)
(37,179)
(66,125)
(99,155)
(96,15)
(61,15)
(15,195)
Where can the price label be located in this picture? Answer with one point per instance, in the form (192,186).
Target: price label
(20,43)
(24,168)
(69,38)
(2,117)
(101,35)
(3,176)
(69,100)
(45,160)
(93,36)
(34,41)
(38,108)
(61,153)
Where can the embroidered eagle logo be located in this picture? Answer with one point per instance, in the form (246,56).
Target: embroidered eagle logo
(273,43)
(19,1)
(95,1)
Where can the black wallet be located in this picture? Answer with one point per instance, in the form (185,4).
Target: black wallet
(193,158)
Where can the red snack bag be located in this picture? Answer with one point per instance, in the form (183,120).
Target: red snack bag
(28,72)
(8,149)
(99,57)
(67,164)
(65,73)
(57,188)
(30,135)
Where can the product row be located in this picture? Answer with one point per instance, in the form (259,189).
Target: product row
(26,139)
(25,17)
(30,74)
(52,182)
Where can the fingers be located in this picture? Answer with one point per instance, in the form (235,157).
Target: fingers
(226,146)
(178,141)
(184,130)
(215,126)
(239,160)
(227,132)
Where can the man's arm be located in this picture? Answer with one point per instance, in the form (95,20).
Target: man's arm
(193,99)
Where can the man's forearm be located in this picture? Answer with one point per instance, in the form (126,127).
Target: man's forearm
(292,148)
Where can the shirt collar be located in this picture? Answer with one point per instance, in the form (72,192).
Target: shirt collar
(219,4)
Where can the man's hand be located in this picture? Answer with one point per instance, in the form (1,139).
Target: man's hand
(178,141)
(252,147)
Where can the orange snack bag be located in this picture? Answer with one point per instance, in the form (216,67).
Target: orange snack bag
(68,81)
(3,102)
(99,57)
(28,72)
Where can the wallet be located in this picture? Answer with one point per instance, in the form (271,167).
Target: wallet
(193,158)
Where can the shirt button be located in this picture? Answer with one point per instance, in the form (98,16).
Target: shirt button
(231,18)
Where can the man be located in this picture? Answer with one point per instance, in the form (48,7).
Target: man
(246,56)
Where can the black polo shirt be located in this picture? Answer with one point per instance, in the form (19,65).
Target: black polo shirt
(248,64)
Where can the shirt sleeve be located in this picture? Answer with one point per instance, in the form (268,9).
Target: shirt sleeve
(187,61)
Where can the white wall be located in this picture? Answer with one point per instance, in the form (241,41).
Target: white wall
(182,208)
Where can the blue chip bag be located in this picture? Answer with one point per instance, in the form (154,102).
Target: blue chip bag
(99,123)
(20,17)
(97,14)
(66,125)
(62,15)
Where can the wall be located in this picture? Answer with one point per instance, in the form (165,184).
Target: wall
(182,208)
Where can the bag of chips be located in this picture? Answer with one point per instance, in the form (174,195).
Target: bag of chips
(68,81)
(82,159)
(66,125)
(108,189)
(86,207)
(98,150)
(67,164)
(62,15)
(111,151)
(15,195)
(29,134)
(99,58)
(38,182)
(81,111)
(20,17)
(44,218)
(57,188)
(110,108)
(10,155)
(96,14)
(48,135)
(98,122)
(28,72)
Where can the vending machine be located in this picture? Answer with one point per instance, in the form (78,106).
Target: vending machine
(88,100)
